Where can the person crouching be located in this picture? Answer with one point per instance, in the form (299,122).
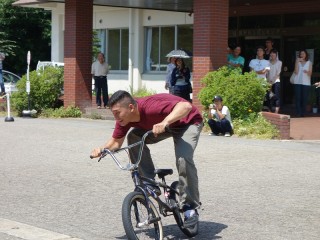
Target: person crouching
(219,121)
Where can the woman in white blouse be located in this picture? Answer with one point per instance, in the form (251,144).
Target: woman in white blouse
(302,85)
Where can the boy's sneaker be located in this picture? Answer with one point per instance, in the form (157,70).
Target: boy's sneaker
(227,134)
(212,134)
(191,216)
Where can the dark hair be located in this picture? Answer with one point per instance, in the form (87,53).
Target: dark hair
(307,54)
(274,51)
(232,45)
(121,96)
(183,64)
(217,97)
(269,39)
(260,47)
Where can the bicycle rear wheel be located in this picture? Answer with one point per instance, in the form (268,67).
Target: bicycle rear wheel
(178,215)
(136,221)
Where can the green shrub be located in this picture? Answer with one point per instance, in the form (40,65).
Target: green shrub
(69,112)
(45,89)
(242,93)
(143,92)
(255,126)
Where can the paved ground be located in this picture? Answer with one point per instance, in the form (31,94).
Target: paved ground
(250,189)
(307,128)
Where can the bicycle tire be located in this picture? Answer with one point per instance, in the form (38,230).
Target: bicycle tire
(134,215)
(178,215)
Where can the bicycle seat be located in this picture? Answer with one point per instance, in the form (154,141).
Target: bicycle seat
(163,172)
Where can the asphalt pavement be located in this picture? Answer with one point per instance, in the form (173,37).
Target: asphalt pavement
(250,189)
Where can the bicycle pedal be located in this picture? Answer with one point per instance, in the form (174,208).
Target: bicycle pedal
(153,220)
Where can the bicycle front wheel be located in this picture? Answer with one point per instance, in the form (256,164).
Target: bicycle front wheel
(137,223)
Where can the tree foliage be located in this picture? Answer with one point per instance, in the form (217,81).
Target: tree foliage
(23,30)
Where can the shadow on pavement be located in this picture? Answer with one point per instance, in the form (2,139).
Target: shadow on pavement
(207,231)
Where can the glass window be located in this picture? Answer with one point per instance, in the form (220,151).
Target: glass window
(185,41)
(161,40)
(302,20)
(118,49)
(233,23)
(267,21)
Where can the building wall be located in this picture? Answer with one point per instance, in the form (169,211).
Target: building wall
(135,20)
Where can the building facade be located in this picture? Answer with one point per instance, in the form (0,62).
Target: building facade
(136,37)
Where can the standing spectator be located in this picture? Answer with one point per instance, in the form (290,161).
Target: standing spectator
(99,71)
(170,68)
(269,47)
(230,49)
(220,118)
(302,84)
(234,59)
(180,80)
(3,90)
(259,64)
(274,79)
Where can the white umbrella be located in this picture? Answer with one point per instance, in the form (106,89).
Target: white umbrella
(180,53)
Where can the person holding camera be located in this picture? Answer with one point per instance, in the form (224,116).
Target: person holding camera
(219,121)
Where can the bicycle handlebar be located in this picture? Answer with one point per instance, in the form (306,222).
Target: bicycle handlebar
(130,165)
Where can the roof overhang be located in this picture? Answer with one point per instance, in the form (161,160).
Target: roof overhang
(167,5)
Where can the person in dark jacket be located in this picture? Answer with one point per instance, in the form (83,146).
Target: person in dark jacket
(180,80)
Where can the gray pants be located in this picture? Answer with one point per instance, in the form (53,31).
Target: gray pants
(185,141)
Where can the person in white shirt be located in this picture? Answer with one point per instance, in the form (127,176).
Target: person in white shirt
(302,84)
(273,78)
(99,71)
(259,64)
(220,118)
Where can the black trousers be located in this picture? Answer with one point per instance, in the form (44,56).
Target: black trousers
(101,84)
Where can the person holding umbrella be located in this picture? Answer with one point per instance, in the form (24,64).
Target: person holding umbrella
(180,80)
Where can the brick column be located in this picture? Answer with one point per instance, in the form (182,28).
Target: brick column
(210,40)
(78,53)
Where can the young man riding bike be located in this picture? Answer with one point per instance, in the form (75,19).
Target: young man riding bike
(168,116)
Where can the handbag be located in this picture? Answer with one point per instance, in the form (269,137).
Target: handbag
(293,78)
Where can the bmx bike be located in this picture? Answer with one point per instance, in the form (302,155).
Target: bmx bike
(140,216)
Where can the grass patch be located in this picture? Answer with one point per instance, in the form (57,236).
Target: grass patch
(69,112)
(255,126)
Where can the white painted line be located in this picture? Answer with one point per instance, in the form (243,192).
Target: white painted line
(29,232)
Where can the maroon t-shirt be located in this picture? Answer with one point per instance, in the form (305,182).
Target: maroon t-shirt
(153,109)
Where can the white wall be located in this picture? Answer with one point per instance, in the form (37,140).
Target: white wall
(135,20)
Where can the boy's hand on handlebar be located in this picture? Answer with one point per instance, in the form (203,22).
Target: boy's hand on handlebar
(95,153)
(159,128)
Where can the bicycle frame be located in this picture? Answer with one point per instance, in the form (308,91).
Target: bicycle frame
(169,205)
(164,207)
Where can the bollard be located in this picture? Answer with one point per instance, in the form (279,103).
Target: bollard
(8,118)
